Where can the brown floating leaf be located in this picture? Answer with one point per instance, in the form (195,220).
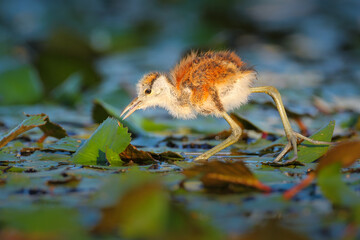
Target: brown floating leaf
(131,153)
(30,122)
(222,174)
(51,129)
(66,179)
(167,156)
(346,152)
(37,120)
(244,123)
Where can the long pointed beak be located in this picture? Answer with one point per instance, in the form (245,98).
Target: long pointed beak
(132,107)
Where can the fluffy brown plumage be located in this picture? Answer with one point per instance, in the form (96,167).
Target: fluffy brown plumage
(210,83)
(202,83)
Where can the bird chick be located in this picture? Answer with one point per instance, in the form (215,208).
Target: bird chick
(210,83)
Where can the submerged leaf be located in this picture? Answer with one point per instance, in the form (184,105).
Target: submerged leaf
(110,138)
(221,174)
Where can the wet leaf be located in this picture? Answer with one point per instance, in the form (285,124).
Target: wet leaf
(167,156)
(131,153)
(47,156)
(102,110)
(308,152)
(345,153)
(30,122)
(341,155)
(330,178)
(7,157)
(244,123)
(110,138)
(330,181)
(217,174)
(64,178)
(65,144)
(51,129)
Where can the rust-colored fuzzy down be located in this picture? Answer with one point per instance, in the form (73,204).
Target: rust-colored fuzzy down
(150,78)
(203,73)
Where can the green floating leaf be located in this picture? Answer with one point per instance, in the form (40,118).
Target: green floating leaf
(30,122)
(330,179)
(308,152)
(102,110)
(332,186)
(20,86)
(110,139)
(47,156)
(66,144)
(344,154)
(7,157)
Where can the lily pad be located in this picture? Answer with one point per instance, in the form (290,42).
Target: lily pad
(66,144)
(109,139)
(308,152)
(102,110)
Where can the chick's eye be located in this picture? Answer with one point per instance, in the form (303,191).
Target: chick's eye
(147,91)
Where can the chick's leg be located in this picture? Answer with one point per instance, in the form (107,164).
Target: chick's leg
(290,134)
(234,137)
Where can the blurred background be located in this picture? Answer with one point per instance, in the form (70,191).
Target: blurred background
(72,52)
(78,61)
